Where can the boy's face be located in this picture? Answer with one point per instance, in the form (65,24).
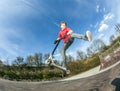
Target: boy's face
(62,26)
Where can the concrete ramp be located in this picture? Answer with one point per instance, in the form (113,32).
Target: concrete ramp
(106,80)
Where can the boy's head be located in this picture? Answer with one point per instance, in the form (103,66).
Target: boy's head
(63,25)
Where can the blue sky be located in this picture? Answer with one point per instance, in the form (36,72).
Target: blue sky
(31,26)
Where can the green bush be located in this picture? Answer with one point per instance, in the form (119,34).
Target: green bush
(83,65)
(2,73)
(48,73)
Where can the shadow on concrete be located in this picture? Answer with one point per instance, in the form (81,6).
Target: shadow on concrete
(116,83)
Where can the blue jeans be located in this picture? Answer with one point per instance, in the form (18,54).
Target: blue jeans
(67,45)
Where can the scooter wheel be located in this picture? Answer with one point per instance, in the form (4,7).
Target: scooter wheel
(48,61)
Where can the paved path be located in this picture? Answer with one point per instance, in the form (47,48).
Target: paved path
(92,80)
(90,72)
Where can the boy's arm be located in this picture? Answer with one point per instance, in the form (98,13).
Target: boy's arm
(70,32)
(59,37)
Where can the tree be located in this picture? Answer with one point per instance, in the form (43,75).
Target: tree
(89,51)
(112,37)
(117,28)
(38,59)
(46,56)
(80,55)
(1,63)
(30,61)
(96,46)
(18,61)
(69,58)
(6,62)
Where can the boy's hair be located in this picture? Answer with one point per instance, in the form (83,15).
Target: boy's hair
(62,22)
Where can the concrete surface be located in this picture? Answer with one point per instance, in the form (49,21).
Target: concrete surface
(92,80)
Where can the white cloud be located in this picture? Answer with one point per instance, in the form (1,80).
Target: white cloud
(105,35)
(101,36)
(114,6)
(108,17)
(12,9)
(8,47)
(107,23)
(96,25)
(20,9)
(97,8)
(104,9)
(91,25)
(109,20)
(103,27)
(9,33)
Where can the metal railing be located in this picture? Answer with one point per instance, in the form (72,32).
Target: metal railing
(110,56)
(110,50)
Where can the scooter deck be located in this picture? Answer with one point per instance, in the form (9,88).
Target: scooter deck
(59,67)
(65,71)
(51,62)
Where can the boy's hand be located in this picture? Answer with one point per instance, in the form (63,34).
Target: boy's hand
(56,41)
(64,36)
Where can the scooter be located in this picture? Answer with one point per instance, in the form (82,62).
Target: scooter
(50,60)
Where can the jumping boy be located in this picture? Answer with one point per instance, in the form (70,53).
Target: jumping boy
(68,37)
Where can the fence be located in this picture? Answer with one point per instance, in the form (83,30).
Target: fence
(110,56)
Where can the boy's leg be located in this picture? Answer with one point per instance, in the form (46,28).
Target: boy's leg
(63,51)
(88,36)
(63,54)
(79,36)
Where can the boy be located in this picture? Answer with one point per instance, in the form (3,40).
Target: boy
(68,37)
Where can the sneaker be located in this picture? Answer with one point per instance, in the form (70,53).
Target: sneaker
(67,72)
(89,36)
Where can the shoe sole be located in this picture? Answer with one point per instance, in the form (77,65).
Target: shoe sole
(89,35)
